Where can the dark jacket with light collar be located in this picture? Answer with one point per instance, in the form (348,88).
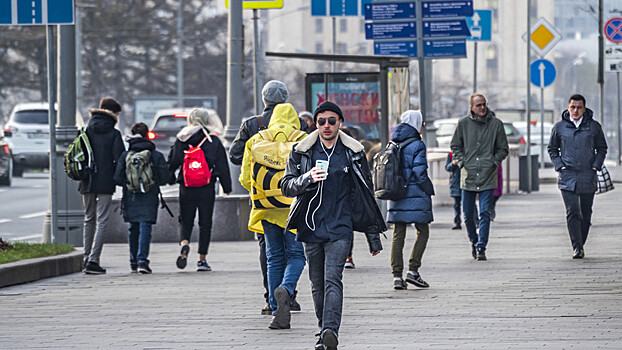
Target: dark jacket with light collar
(297,182)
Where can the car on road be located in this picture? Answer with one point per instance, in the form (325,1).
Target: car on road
(6,162)
(536,139)
(168,122)
(27,133)
(445,130)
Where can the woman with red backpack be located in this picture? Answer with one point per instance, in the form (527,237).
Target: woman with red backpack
(202,159)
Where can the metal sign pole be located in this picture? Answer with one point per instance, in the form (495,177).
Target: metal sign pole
(256,98)
(49,235)
(334,42)
(619,135)
(528,97)
(542,119)
(474,66)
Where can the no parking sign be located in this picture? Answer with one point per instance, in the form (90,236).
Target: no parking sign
(613,49)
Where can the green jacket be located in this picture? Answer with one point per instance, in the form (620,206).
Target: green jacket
(479,145)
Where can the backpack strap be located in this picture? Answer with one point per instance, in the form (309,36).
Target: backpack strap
(296,135)
(261,122)
(266,135)
(201,143)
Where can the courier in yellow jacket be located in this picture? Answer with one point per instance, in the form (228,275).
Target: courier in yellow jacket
(265,158)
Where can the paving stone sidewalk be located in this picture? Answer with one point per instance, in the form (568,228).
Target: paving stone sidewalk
(530,294)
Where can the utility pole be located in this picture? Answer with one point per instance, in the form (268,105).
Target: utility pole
(180,58)
(528,98)
(601,74)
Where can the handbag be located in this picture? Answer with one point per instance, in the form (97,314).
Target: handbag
(604,180)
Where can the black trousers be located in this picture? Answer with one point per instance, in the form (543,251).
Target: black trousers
(263,262)
(578,216)
(191,199)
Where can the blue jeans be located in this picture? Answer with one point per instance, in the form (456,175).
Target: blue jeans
(139,238)
(286,259)
(326,261)
(468,205)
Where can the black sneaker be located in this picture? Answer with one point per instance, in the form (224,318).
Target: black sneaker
(282,316)
(143,267)
(399,284)
(578,254)
(85,261)
(293,305)
(414,278)
(329,338)
(93,268)
(267,310)
(457,227)
(133,267)
(320,344)
(473,251)
(481,255)
(182,259)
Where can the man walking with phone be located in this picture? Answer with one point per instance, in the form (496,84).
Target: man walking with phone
(333,199)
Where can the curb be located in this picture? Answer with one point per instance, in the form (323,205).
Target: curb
(36,269)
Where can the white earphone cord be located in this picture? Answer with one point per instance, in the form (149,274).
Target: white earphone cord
(319,190)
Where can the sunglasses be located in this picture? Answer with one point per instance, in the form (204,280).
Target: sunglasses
(331,121)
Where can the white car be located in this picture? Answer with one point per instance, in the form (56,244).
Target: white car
(28,135)
(536,140)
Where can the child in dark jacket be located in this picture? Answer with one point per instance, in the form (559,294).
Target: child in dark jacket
(456,193)
(140,208)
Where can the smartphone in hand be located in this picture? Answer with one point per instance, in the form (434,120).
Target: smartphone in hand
(322,164)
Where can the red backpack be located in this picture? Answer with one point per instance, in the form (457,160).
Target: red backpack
(196,171)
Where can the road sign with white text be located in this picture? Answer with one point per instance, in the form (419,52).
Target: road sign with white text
(436,9)
(390,30)
(480,25)
(542,73)
(387,11)
(445,28)
(335,7)
(259,4)
(444,48)
(401,48)
(36,12)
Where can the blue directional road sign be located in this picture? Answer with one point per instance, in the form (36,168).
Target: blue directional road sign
(36,12)
(445,28)
(435,9)
(390,30)
(444,48)
(385,11)
(334,7)
(401,48)
(480,25)
(542,73)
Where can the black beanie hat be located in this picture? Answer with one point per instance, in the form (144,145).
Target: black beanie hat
(327,106)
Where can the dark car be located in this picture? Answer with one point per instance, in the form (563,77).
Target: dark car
(6,163)
(168,122)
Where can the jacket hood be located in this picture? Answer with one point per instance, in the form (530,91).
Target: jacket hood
(489,115)
(188,131)
(413,118)
(138,143)
(197,137)
(102,121)
(404,131)
(587,115)
(309,141)
(284,121)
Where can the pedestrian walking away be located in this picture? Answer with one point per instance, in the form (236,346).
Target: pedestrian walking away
(97,189)
(329,177)
(478,145)
(577,149)
(204,160)
(415,207)
(265,158)
(273,93)
(141,170)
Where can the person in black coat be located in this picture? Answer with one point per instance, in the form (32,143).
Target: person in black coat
(97,190)
(577,149)
(203,197)
(141,209)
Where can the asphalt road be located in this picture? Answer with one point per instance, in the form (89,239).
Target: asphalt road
(23,206)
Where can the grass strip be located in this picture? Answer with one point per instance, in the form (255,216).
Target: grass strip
(33,250)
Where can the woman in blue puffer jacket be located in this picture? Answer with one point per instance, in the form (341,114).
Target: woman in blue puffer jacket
(416,206)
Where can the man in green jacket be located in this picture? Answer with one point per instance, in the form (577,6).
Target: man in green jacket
(479,145)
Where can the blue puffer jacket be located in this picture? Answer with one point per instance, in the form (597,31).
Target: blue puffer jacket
(417,205)
(454,177)
(579,151)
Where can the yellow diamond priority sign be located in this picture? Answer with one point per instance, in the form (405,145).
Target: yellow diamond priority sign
(259,4)
(543,37)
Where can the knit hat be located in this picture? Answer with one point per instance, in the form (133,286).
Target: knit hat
(413,118)
(110,104)
(327,106)
(274,92)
